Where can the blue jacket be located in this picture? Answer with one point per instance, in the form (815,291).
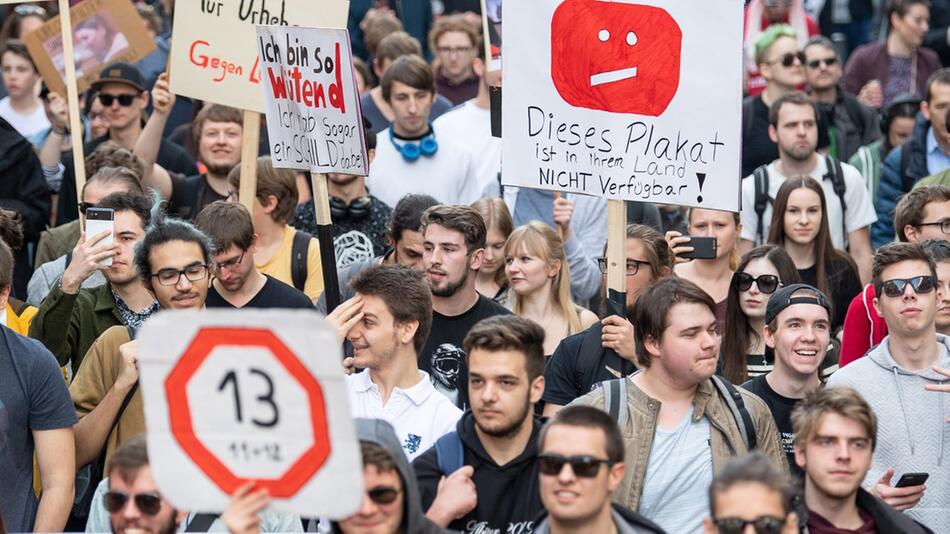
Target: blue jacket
(891,186)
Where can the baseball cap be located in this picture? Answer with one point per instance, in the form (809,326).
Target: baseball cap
(121,73)
(783,298)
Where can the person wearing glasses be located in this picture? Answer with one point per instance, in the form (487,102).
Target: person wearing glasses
(761,272)
(750,492)
(836,436)
(798,331)
(892,378)
(237,281)
(677,425)
(581,469)
(606,349)
(455,42)
(853,124)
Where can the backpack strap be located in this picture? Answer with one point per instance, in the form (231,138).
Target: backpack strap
(737,406)
(449,453)
(201,522)
(298,259)
(615,400)
(588,359)
(835,173)
(760,177)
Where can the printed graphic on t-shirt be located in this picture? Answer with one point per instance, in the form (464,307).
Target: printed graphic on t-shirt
(446,364)
(412,443)
(482,527)
(352,247)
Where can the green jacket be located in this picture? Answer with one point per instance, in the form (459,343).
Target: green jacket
(57,241)
(868,160)
(941,178)
(69,324)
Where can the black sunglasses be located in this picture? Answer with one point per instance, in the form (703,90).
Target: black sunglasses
(767,283)
(147,503)
(815,63)
(787,60)
(582,466)
(124,100)
(83,206)
(765,524)
(383,494)
(921,284)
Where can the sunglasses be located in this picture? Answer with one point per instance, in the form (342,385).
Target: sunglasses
(147,503)
(765,524)
(787,60)
(582,466)
(383,494)
(921,284)
(815,63)
(767,283)
(124,100)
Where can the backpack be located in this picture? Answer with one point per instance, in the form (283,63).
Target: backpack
(615,400)
(760,177)
(592,356)
(298,259)
(449,453)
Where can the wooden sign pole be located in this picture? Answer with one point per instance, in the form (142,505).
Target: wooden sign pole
(251,137)
(616,257)
(72,97)
(321,208)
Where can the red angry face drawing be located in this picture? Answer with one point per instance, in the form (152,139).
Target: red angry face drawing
(617,57)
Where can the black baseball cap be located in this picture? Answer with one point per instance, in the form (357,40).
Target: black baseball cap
(121,73)
(783,298)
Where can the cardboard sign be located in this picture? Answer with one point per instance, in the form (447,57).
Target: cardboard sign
(104,32)
(313,105)
(238,395)
(625,100)
(214,52)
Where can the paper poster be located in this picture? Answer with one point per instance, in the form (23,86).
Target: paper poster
(214,50)
(313,105)
(625,100)
(238,395)
(104,32)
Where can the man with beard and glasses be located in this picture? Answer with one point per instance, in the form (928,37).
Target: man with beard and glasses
(454,245)
(497,487)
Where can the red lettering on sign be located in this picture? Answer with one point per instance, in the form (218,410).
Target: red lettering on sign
(221,68)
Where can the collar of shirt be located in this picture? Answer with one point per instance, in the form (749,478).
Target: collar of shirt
(3,316)
(937,160)
(417,393)
(126,312)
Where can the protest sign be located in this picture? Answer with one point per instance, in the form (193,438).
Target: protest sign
(628,101)
(314,121)
(104,32)
(238,395)
(214,52)
(491,26)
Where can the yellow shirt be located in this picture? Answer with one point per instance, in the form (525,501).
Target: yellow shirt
(279,265)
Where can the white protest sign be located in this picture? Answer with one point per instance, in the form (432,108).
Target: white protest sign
(625,100)
(313,107)
(238,395)
(214,49)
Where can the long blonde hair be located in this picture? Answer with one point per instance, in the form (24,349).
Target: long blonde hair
(542,241)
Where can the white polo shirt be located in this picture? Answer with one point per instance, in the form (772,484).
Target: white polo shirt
(860,212)
(420,415)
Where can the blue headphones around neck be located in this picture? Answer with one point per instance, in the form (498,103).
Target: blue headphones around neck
(411,150)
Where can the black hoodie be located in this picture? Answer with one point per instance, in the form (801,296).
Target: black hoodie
(508,496)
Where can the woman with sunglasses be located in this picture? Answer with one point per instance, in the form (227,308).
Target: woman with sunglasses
(491,280)
(760,273)
(800,225)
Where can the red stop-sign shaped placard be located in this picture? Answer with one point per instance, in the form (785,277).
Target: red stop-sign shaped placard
(176,389)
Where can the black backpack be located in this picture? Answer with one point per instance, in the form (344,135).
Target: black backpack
(298,259)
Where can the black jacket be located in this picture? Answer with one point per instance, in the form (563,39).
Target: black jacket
(887,519)
(23,187)
(508,495)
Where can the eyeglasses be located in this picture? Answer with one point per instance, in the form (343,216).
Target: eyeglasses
(383,494)
(452,51)
(582,466)
(828,61)
(765,524)
(171,277)
(787,60)
(944,225)
(230,264)
(921,284)
(767,283)
(633,266)
(83,206)
(147,503)
(125,100)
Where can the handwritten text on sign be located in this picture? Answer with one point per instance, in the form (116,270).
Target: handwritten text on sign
(313,111)
(624,100)
(214,55)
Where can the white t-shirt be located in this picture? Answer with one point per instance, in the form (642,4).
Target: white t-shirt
(470,125)
(448,176)
(420,415)
(27,125)
(860,212)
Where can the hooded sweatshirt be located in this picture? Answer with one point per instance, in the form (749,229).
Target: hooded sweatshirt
(863,327)
(912,435)
(508,496)
(381,433)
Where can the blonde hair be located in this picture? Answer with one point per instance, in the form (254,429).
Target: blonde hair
(542,241)
(496,215)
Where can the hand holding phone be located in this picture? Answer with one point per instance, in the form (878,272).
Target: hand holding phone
(99,220)
(704,248)
(912,479)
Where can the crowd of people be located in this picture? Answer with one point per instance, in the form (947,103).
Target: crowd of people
(796,380)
